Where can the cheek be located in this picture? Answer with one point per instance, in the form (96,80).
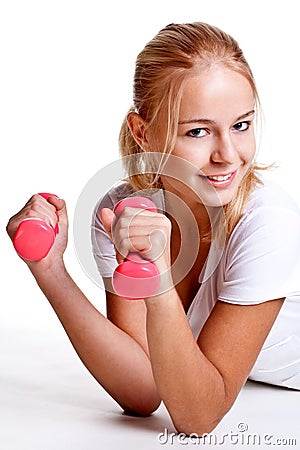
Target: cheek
(252,144)
(191,151)
(251,153)
(247,149)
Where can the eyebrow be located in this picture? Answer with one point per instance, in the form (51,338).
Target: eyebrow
(210,121)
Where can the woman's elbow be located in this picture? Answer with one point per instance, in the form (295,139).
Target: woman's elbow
(141,409)
(195,428)
(200,423)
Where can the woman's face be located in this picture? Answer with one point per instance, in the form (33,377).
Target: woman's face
(215,137)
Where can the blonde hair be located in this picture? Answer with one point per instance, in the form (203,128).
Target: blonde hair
(162,68)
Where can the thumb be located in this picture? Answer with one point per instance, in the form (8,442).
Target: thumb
(61,209)
(107,217)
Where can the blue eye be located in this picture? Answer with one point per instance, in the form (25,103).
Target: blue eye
(241,126)
(197,132)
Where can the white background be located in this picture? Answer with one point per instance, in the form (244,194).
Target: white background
(65,83)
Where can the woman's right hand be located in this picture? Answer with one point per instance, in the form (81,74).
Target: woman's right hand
(52,211)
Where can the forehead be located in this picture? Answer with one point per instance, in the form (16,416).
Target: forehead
(216,92)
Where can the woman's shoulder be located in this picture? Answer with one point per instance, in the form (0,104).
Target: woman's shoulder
(114,194)
(270,195)
(270,211)
(124,189)
(261,259)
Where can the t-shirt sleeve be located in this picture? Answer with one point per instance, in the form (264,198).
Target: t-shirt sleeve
(102,246)
(262,258)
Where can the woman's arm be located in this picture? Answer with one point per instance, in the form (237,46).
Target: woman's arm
(114,358)
(199,381)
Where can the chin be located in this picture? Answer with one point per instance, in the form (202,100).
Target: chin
(215,198)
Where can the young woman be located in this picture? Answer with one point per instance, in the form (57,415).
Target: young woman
(231,309)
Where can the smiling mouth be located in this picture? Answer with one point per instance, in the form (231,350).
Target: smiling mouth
(220,180)
(219,177)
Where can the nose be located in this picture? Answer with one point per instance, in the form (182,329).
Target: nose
(225,150)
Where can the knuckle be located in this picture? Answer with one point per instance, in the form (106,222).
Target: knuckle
(166,223)
(122,223)
(123,235)
(31,212)
(121,248)
(9,226)
(35,199)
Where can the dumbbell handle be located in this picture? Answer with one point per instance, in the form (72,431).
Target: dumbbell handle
(136,278)
(34,237)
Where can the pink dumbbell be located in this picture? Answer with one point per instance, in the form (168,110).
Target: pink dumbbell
(136,278)
(34,237)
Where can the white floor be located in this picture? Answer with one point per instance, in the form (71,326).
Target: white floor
(48,401)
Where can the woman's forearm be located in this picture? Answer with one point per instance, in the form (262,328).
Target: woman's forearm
(188,383)
(190,386)
(116,361)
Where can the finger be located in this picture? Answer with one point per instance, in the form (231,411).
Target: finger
(107,218)
(119,257)
(40,207)
(60,209)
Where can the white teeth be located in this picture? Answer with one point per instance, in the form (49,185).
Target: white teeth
(220,177)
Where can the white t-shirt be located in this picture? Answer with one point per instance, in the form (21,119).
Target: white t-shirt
(260,262)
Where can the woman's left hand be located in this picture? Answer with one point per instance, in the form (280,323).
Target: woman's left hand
(142,231)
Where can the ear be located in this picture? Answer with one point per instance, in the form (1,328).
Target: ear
(138,129)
